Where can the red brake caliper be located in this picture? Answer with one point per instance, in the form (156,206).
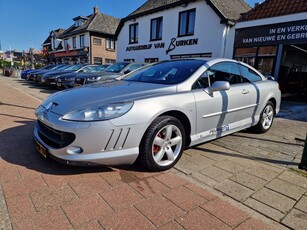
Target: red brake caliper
(157,148)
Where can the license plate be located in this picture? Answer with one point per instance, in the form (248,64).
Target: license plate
(77,85)
(41,149)
(58,84)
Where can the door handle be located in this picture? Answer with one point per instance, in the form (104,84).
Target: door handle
(245,91)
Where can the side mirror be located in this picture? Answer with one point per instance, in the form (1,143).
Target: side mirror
(127,71)
(218,86)
(269,77)
(81,71)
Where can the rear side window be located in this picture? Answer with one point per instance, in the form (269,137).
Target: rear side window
(249,75)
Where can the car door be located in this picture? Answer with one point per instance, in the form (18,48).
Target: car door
(222,112)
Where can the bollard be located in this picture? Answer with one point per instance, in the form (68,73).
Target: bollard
(303,164)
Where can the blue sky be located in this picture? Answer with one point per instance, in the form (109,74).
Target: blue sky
(27,23)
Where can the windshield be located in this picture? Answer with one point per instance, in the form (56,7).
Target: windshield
(100,68)
(168,72)
(60,67)
(116,68)
(74,67)
(86,69)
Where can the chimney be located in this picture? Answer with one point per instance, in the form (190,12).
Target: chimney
(96,10)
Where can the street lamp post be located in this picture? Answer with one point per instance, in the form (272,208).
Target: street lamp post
(11,58)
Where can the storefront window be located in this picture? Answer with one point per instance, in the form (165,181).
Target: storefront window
(246,55)
(267,51)
(262,58)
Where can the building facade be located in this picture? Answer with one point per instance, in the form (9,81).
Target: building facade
(89,40)
(272,37)
(162,30)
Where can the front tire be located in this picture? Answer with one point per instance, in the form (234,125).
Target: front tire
(162,144)
(266,119)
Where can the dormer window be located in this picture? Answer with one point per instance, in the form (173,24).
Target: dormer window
(79,20)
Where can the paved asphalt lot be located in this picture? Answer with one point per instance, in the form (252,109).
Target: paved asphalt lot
(242,181)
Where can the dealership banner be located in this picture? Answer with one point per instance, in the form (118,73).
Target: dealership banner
(282,33)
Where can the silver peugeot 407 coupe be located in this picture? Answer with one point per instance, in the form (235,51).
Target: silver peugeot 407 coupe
(154,113)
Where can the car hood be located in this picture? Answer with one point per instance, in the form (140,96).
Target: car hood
(103,93)
(89,74)
(57,72)
(41,71)
(68,75)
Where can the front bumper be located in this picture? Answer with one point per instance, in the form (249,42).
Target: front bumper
(101,142)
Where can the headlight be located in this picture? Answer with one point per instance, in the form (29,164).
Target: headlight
(101,113)
(93,78)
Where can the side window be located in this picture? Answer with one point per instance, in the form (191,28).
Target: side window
(249,75)
(203,81)
(226,71)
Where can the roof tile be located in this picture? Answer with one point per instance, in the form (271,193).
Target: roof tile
(275,8)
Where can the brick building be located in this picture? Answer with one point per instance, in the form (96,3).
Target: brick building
(89,40)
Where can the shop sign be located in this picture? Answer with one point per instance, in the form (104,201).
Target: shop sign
(267,35)
(146,47)
(172,46)
(186,42)
(65,54)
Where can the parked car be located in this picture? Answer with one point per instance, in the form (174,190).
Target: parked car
(154,113)
(113,71)
(68,80)
(51,78)
(33,75)
(24,73)
(38,75)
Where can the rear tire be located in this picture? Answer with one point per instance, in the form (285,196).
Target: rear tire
(162,144)
(266,119)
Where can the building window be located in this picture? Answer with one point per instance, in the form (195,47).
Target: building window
(53,42)
(156,29)
(74,42)
(66,45)
(186,23)
(82,41)
(110,44)
(151,60)
(97,41)
(97,61)
(79,22)
(134,33)
(129,60)
(110,61)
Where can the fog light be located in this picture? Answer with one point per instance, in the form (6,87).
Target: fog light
(74,150)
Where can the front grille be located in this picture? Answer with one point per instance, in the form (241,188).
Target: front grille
(54,138)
